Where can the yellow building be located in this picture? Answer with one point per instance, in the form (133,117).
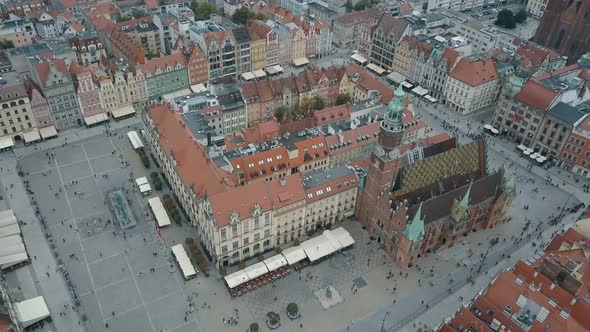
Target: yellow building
(299,45)
(258,53)
(16,116)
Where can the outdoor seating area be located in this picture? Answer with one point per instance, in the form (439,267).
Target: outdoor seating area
(293,258)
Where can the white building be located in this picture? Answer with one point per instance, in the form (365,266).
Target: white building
(472,85)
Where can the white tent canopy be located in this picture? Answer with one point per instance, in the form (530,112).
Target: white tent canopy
(259,73)
(317,247)
(173,95)
(333,240)
(135,140)
(8,224)
(359,58)
(430,98)
(378,70)
(256,270)
(159,212)
(294,254)
(343,236)
(183,261)
(275,262)
(420,91)
(12,247)
(144,185)
(48,132)
(248,76)
(407,85)
(300,61)
(521,147)
(236,278)
(198,88)
(31,311)
(6,142)
(124,111)
(94,119)
(271,70)
(31,136)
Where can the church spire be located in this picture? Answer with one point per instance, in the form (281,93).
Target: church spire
(392,126)
(415,229)
(465,200)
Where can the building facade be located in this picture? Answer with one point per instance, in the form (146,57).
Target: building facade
(16,115)
(472,85)
(39,105)
(347,28)
(576,154)
(164,75)
(385,37)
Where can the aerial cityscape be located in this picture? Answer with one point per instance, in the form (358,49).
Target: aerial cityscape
(294,165)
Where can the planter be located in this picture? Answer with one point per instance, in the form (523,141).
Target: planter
(273,325)
(293,316)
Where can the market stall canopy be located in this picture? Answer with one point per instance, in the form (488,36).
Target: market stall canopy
(198,88)
(294,254)
(183,261)
(96,118)
(521,147)
(420,91)
(128,110)
(236,279)
(431,99)
(6,142)
(256,270)
(333,240)
(378,70)
(135,140)
(359,58)
(300,61)
(395,77)
(407,85)
(171,96)
(259,73)
(317,247)
(159,212)
(31,136)
(48,132)
(275,262)
(248,76)
(343,236)
(31,311)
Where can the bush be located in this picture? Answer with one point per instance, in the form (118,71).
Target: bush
(520,16)
(292,309)
(278,250)
(260,258)
(254,327)
(506,19)
(296,242)
(154,175)
(145,160)
(242,265)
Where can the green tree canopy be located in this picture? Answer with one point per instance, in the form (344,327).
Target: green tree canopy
(203,10)
(243,15)
(505,19)
(318,103)
(348,5)
(138,13)
(6,44)
(342,99)
(520,16)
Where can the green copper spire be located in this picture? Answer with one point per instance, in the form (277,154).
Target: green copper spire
(465,200)
(415,229)
(393,119)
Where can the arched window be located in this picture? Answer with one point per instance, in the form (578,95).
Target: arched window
(12,103)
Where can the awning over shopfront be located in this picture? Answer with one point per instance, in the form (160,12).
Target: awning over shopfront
(6,143)
(256,270)
(31,136)
(300,61)
(48,132)
(12,251)
(271,70)
(521,147)
(317,247)
(333,240)
(378,70)
(359,58)
(430,98)
(395,77)
(259,73)
(248,76)
(198,88)
(407,85)
(31,311)
(294,254)
(419,91)
(123,111)
(236,279)
(94,119)
(8,224)
(275,262)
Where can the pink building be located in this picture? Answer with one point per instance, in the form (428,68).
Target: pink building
(39,105)
(89,98)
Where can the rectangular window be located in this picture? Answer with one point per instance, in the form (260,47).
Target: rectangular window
(267,233)
(235,245)
(223,234)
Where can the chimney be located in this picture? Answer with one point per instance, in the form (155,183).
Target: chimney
(283,182)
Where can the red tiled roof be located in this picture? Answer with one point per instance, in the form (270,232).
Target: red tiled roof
(360,17)
(332,114)
(263,163)
(534,54)
(475,73)
(536,95)
(316,147)
(418,45)
(369,82)
(451,56)
(336,186)
(192,162)
(77,27)
(353,136)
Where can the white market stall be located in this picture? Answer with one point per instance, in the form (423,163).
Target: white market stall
(96,118)
(256,270)
(12,247)
(359,58)
(275,262)
(430,98)
(333,240)
(198,88)
(343,236)
(144,186)
(31,136)
(31,311)
(259,73)
(419,91)
(6,143)
(376,69)
(317,247)
(237,278)
(298,62)
(135,140)
(294,254)
(159,212)
(184,262)
(248,76)
(123,111)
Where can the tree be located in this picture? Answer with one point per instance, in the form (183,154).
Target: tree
(138,13)
(254,327)
(318,103)
(241,16)
(348,5)
(6,44)
(505,19)
(281,113)
(293,309)
(520,16)
(362,5)
(343,99)
(203,10)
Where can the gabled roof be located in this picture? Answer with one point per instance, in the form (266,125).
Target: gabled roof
(360,17)
(43,68)
(162,63)
(369,82)
(392,26)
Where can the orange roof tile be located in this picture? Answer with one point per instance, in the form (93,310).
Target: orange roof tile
(369,82)
(43,68)
(536,95)
(368,131)
(151,66)
(243,200)
(315,147)
(347,182)
(475,73)
(263,163)
(332,114)
(406,8)
(192,162)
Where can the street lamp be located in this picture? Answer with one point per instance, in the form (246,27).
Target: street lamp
(383,323)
